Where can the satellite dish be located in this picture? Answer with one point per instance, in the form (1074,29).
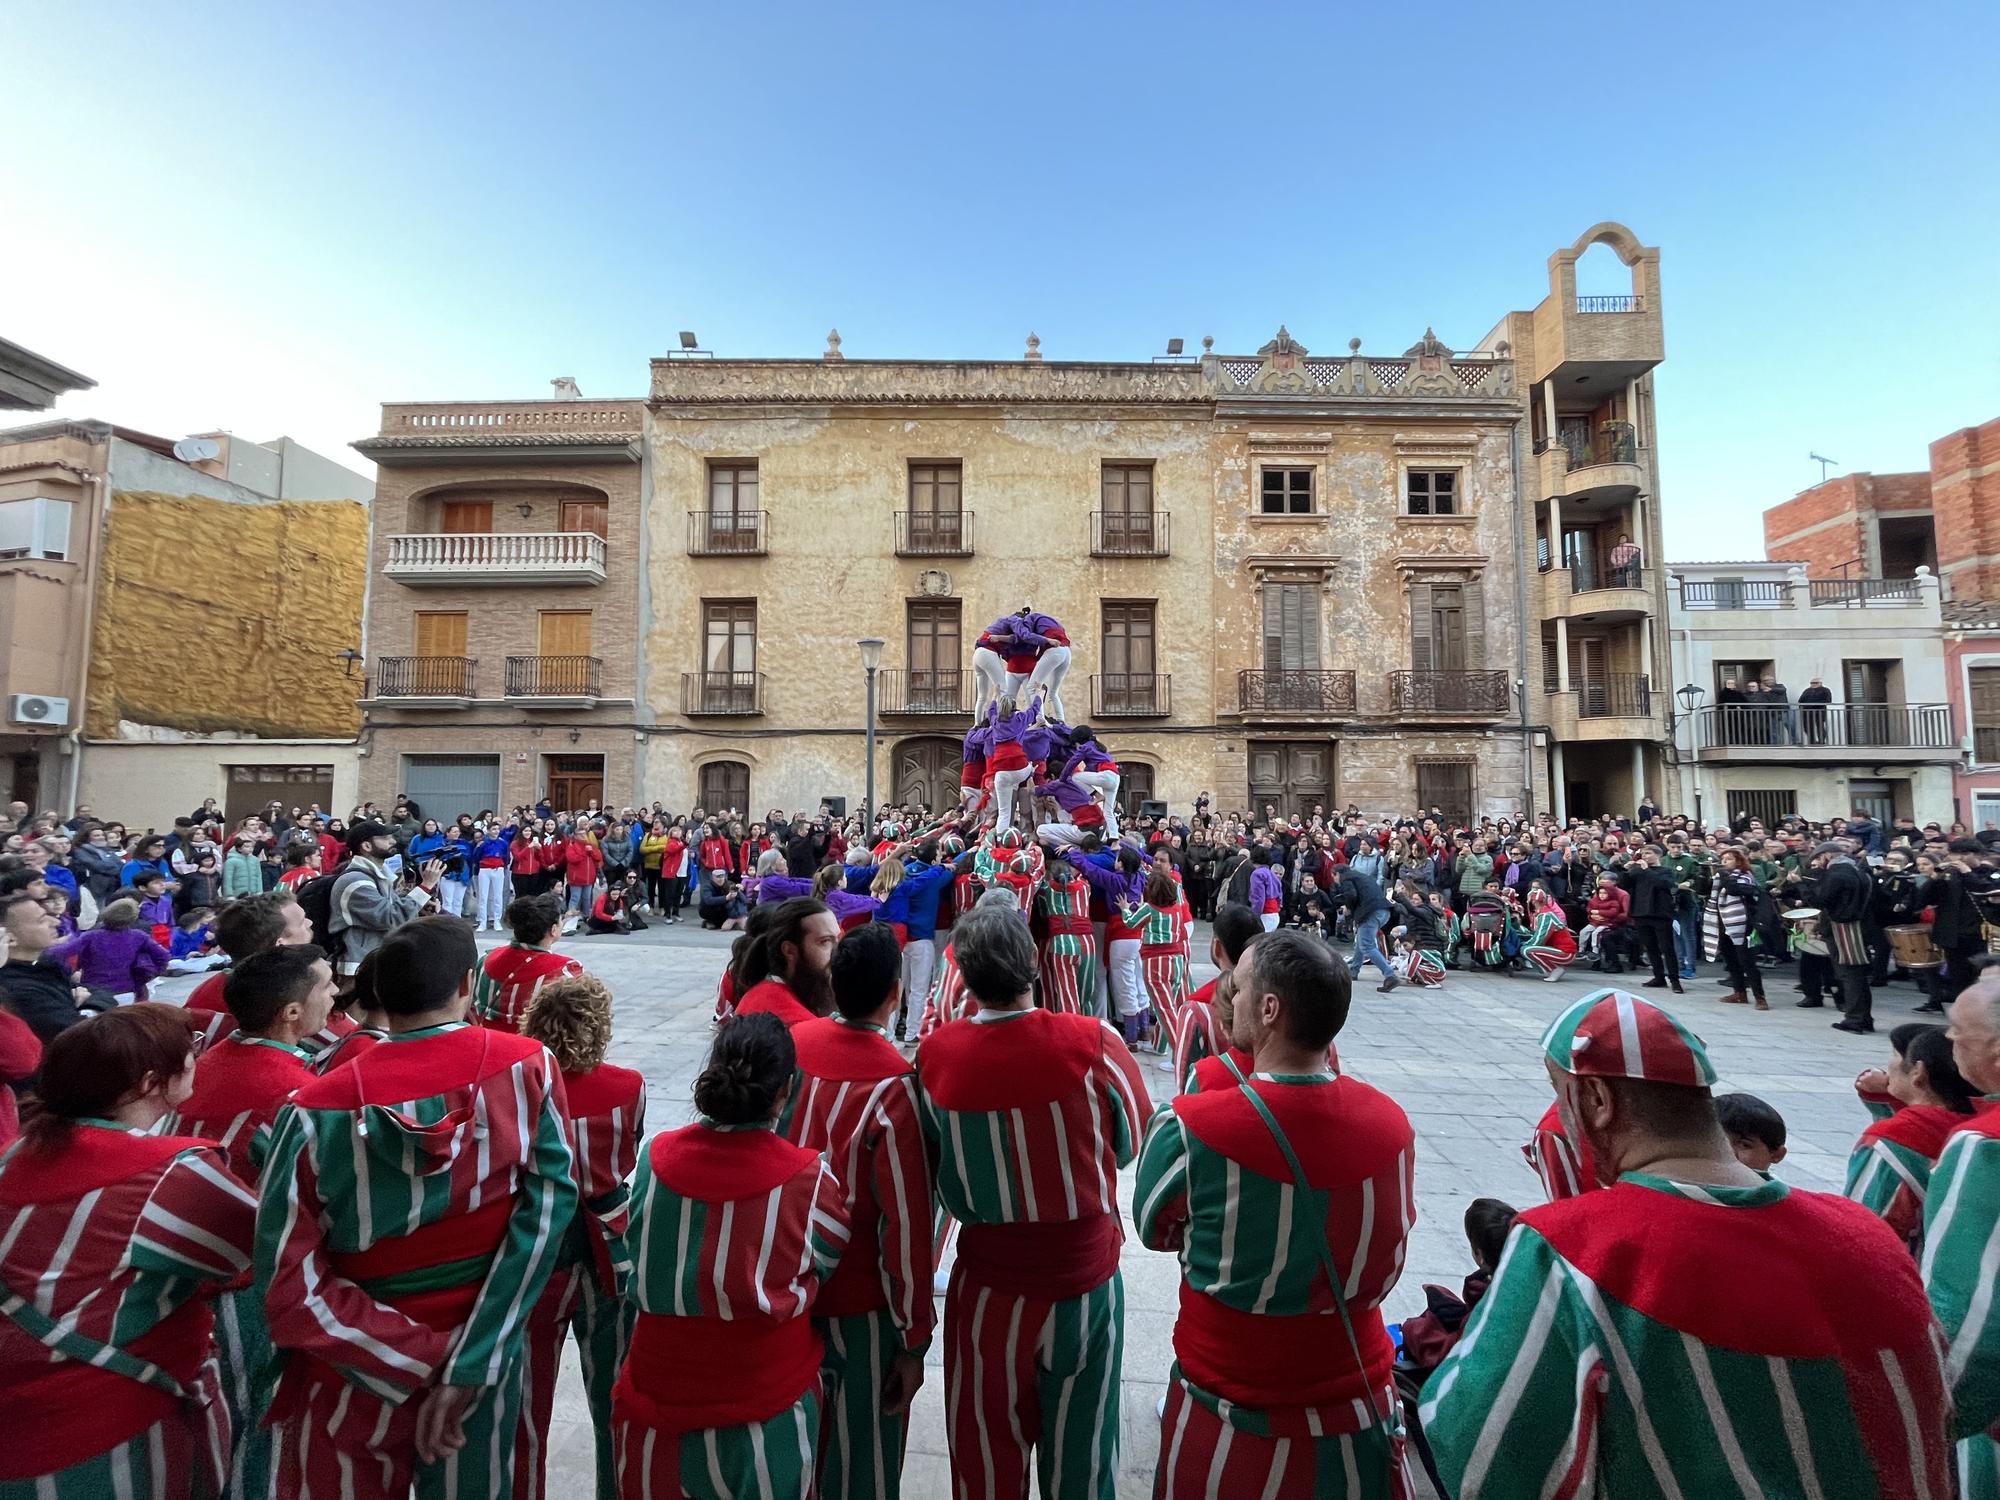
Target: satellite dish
(193,450)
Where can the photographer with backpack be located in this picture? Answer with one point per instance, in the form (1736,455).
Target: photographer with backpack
(364,903)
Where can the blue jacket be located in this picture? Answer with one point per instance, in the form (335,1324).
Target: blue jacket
(496,847)
(914,903)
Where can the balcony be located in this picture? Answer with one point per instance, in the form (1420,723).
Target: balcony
(1482,695)
(1131,695)
(1628,304)
(1752,593)
(1861,593)
(554,681)
(1616,706)
(495,558)
(1590,590)
(426,681)
(535,433)
(924,692)
(1308,694)
(1143,533)
(1605,466)
(723,694)
(1868,733)
(737,533)
(934,533)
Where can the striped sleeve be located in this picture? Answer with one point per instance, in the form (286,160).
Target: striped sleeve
(827,1222)
(1125,1087)
(1961,1246)
(199,1221)
(1515,1408)
(311,1309)
(1889,1181)
(545,1201)
(1555,1162)
(1160,1194)
(613,1211)
(902,1188)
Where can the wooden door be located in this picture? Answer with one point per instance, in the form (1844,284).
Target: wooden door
(1869,720)
(935,507)
(1447,628)
(586,515)
(729,663)
(461,517)
(927,772)
(1295,775)
(1128,507)
(574,781)
(1130,685)
(931,647)
(1587,673)
(1447,786)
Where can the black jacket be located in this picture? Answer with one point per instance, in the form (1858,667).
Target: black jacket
(1652,891)
(40,994)
(1362,892)
(1844,891)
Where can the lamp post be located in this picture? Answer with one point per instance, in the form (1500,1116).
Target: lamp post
(1691,697)
(871,658)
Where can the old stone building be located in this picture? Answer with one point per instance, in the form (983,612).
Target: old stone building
(1290,576)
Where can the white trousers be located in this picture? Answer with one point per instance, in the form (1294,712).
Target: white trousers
(451,896)
(1048,678)
(1060,833)
(1269,919)
(1128,984)
(492,887)
(919,955)
(1105,782)
(1004,785)
(989,671)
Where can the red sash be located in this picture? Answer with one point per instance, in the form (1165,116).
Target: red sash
(462,1237)
(1008,756)
(1062,926)
(1260,1361)
(1158,950)
(683,1374)
(1049,1262)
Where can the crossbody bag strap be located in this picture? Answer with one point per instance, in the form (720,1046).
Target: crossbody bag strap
(84,1349)
(1319,1243)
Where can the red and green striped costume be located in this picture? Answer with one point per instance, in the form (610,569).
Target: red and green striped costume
(411,1213)
(1548,943)
(1069,951)
(349,1047)
(509,979)
(1200,1035)
(1566,1167)
(120,1238)
(1889,1170)
(949,999)
(1666,1339)
(733,1229)
(1162,963)
(1961,1249)
(1265,1396)
(605,1108)
(855,1100)
(240,1084)
(1029,1115)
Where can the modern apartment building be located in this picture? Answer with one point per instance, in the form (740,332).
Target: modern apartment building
(1886,739)
(1290,576)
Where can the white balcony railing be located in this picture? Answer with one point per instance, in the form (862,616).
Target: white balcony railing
(497,557)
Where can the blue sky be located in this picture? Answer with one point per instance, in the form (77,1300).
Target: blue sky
(270,218)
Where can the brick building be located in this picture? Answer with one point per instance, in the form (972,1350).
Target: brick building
(1289,576)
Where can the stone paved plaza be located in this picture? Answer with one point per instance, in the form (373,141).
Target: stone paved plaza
(1462,1061)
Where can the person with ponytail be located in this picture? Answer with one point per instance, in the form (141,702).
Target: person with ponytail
(732,986)
(720,1393)
(1917,1102)
(116,1239)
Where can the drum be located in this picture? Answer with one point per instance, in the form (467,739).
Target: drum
(1913,947)
(1804,921)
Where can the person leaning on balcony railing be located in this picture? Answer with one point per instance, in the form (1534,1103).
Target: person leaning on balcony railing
(1624,560)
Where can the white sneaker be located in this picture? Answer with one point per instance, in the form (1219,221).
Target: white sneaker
(1166,1065)
(1552,976)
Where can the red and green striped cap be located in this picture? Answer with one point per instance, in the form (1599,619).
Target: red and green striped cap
(1615,1035)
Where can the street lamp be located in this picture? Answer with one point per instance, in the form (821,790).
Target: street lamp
(871,658)
(1691,697)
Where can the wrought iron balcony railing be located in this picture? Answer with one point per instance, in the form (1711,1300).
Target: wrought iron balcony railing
(553,676)
(1131,695)
(736,533)
(722,693)
(1448,692)
(1131,533)
(425,676)
(1306,692)
(933,533)
(917,691)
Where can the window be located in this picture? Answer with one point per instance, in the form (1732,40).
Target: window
(1135,785)
(1985,811)
(586,515)
(37,527)
(1767,806)
(1291,627)
(1286,492)
(440,668)
(931,646)
(1985,703)
(1433,492)
(1446,627)
(1446,784)
(1127,525)
(440,632)
(732,490)
(563,665)
(465,517)
(563,632)
(937,520)
(1130,685)
(1128,489)
(725,787)
(729,660)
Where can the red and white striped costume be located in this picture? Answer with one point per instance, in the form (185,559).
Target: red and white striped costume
(349,1047)
(1566,1167)
(1200,1035)
(120,1238)
(605,1110)
(855,1100)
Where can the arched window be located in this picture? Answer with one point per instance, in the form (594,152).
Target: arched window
(725,784)
(1135,785)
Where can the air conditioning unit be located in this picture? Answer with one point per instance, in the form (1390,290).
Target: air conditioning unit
(35,708)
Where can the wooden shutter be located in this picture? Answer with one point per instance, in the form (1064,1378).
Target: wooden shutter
(462,517)
(563,632)
(1985,697)
(586,515)
(1473,594)
(1420,627)
(1291,628)
(440,632)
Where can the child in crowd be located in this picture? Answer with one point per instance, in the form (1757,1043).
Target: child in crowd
(1756,1131)
(1431,1334)
(1607,913)
(302,863)
(201,886)
(64,913)
(116,958)
(193,948)
(156,907)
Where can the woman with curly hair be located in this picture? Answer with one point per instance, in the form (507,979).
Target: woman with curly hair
(607,1116)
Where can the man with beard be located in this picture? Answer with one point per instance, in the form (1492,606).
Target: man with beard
(789,970)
